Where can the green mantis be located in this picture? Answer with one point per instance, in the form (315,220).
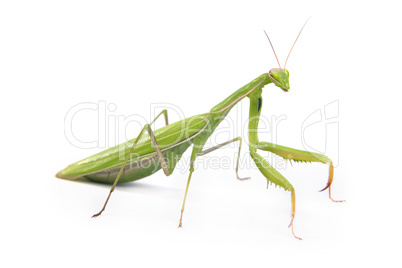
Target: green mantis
(163,148)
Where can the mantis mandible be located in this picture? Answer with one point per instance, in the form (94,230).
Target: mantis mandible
(163,148)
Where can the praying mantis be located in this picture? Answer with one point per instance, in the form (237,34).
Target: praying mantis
(163,148)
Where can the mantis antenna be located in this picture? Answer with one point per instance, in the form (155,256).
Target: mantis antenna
(273,49)
(296,41)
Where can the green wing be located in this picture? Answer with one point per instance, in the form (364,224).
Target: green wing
(166,137)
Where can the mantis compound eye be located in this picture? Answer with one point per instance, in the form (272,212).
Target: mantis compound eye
(275,76)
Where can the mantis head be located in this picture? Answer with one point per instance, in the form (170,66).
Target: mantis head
(280,77)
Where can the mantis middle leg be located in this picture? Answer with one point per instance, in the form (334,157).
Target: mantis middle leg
(239,139)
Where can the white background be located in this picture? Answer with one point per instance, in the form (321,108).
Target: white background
(54,55)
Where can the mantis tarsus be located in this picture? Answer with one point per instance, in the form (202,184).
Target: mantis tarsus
(163,148)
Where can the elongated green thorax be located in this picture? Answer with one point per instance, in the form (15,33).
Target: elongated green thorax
(241,93)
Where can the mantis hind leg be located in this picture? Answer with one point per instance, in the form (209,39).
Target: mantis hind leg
(299,155)
(147,128)
(273,176)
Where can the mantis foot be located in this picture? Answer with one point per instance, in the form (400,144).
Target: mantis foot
(291,225)
(330,197)
(97,214)
(243,179)
(181,217)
